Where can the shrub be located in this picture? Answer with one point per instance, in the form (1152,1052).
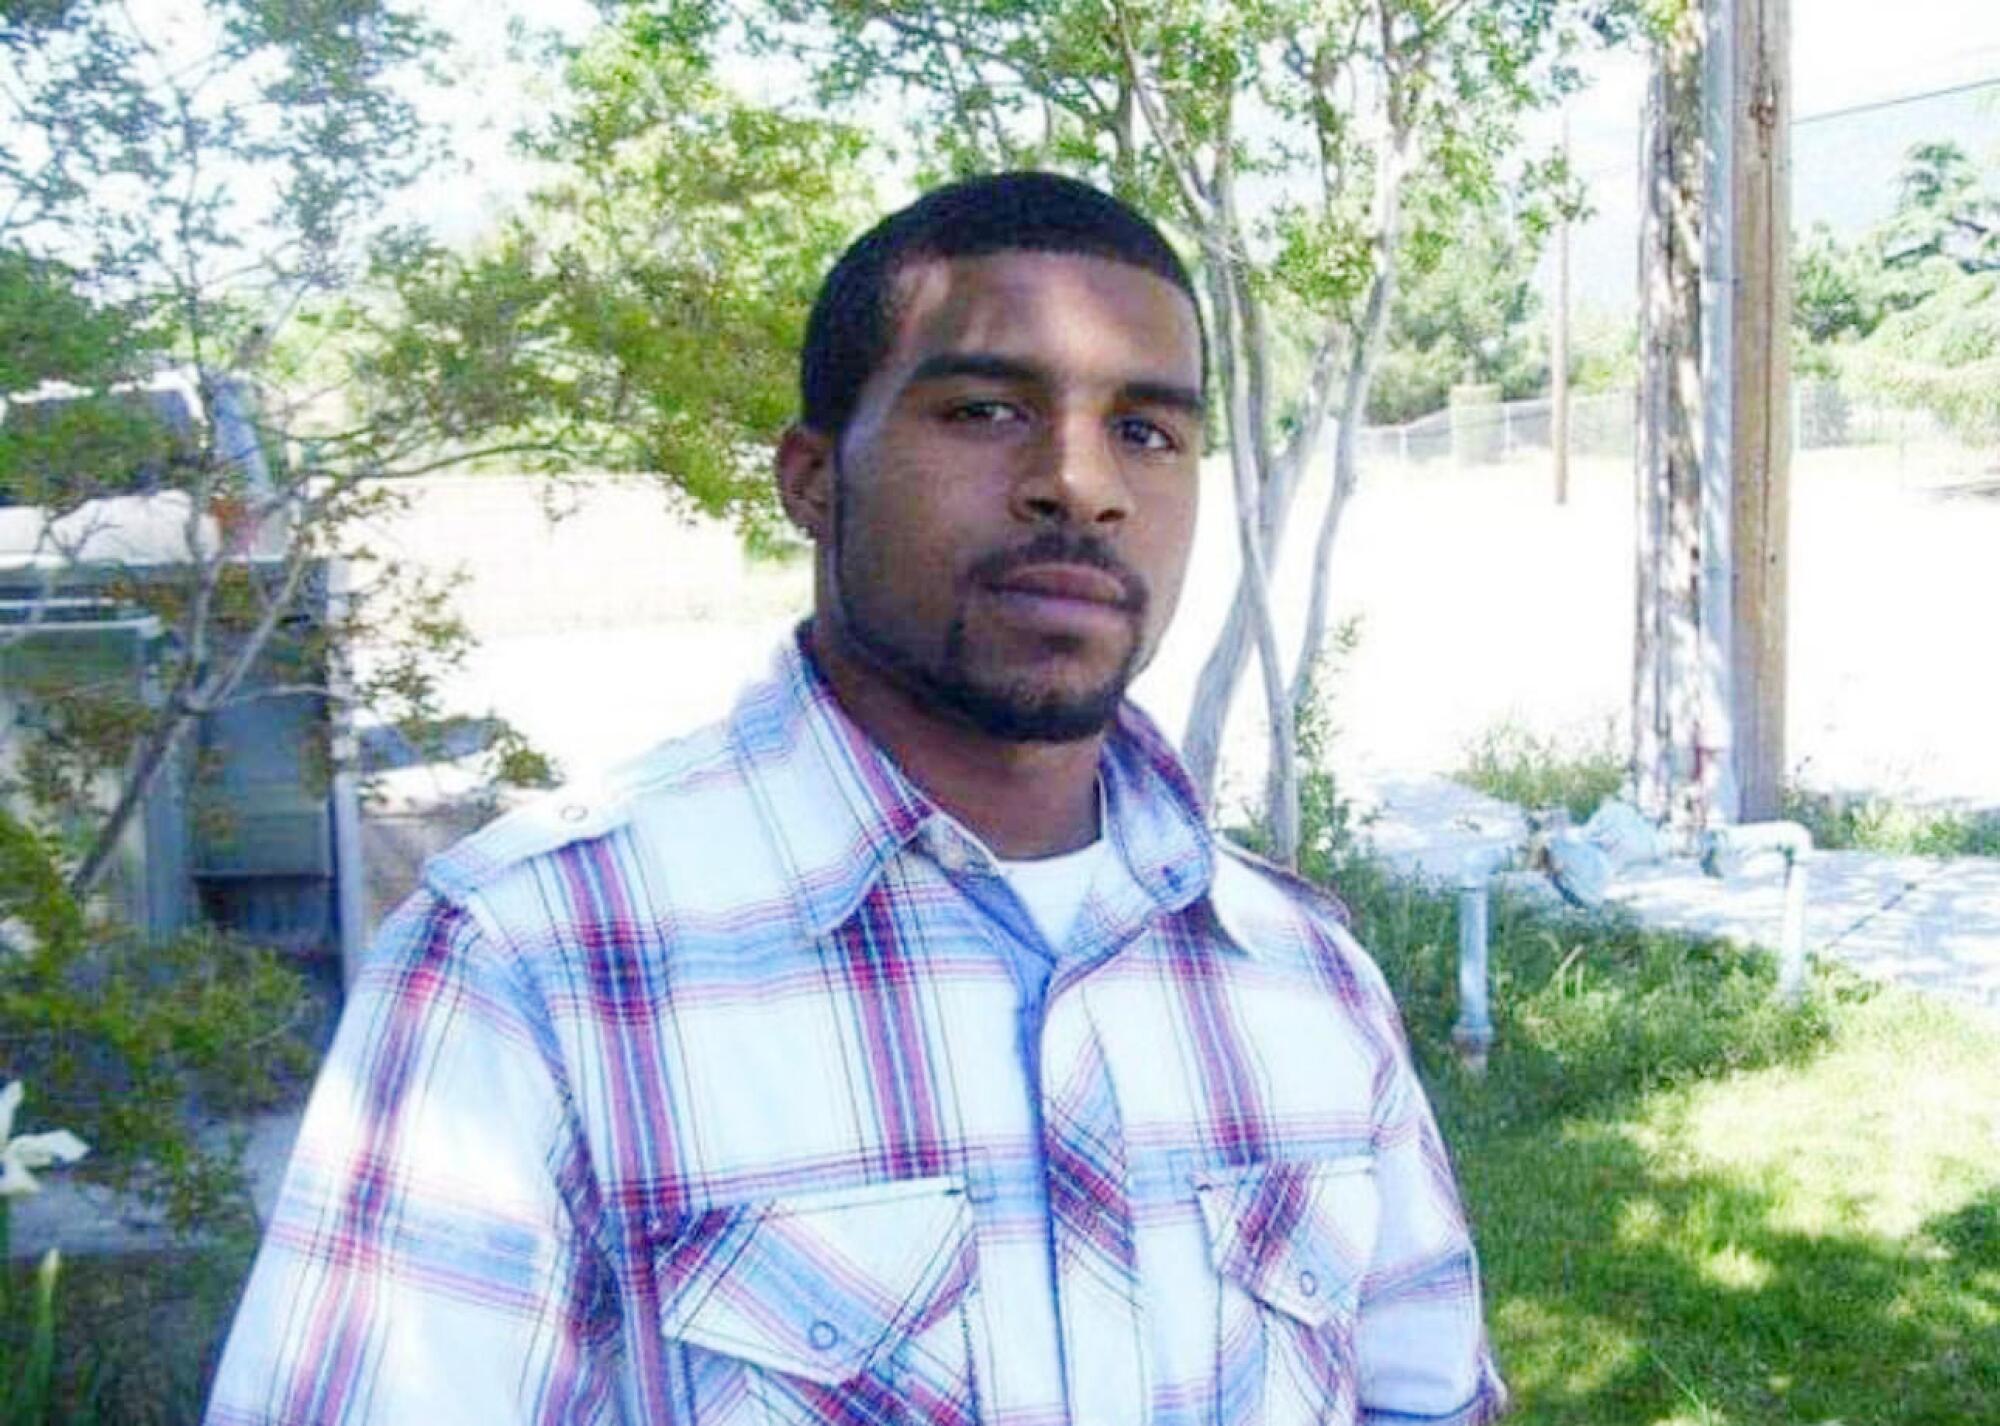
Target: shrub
(1875,824)
(130,1043)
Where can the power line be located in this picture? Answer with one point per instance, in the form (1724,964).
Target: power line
(1971,86)
(1623,170)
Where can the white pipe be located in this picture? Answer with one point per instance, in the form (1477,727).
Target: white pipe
(349,861)
(1473,1034)
(1727,850)
(1715,650)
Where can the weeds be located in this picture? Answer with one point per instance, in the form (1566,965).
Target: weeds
(1873,824)
(1515,765)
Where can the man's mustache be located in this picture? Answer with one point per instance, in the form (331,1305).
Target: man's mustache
(1064,547)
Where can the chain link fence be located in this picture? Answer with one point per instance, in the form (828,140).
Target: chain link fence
(1604,425)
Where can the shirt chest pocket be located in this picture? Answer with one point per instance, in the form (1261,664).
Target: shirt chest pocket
(840,1306)
(1291,1243)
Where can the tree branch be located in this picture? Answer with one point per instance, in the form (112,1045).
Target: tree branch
(1180,164)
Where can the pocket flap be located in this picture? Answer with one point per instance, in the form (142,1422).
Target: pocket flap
(1298,1236)
(817,1286)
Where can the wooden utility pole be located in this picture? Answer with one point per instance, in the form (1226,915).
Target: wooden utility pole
(1559,347)
(1714,419)
(1759,297)
(1674,697)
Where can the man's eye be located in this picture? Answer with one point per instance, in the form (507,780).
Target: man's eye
(1147,435)
(983,413)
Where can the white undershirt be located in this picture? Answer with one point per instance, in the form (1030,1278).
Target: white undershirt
(1054,888)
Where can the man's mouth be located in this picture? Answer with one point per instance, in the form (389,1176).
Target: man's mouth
(1067,583)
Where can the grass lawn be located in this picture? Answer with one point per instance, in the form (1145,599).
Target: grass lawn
(1695,1206)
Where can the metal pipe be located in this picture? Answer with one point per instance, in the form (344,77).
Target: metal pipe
(350,870)
(1727,850)
(1473,1034)
(1715,757)
(1792,940)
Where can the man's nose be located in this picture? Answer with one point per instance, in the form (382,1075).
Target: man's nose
(1075,477)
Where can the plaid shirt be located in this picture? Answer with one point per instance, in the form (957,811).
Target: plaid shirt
(699,1099)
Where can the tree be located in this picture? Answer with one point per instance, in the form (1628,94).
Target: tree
(1296,147)
(1910,311)
(1941,355)
(1466,313)
(1943,211)
(1837,289)
(644,311)
(210,192)
(174,189)
(200,281)
(177,184)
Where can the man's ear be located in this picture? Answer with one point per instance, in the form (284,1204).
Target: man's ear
(805,480)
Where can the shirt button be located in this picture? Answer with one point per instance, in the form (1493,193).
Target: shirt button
(1308,1285)
(823,1335)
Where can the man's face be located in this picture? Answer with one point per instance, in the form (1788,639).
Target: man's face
(1014,498)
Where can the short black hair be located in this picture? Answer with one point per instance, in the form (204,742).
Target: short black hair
(852,321)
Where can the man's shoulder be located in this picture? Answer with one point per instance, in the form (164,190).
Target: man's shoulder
(1257,881)
(1276,914)
(674,790)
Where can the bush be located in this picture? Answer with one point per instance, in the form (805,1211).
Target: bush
(1876,824)
(131,1043)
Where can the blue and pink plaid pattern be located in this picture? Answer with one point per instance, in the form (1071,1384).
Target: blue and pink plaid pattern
(699,1099)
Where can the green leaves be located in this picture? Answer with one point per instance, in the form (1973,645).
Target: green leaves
(118,1036)
(1324,260)
(1942,355)
(1466,310)
(645,313)
(1911,312)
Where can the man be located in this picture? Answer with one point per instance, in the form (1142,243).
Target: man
(905,1049)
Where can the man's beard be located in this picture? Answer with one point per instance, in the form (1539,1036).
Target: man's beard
(1018,711)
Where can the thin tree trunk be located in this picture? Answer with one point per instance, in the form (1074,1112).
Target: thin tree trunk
(1201,744)
(1230,333)
(187,705)
(152,756)
(1346,475)
(1313,639)
(1222,671)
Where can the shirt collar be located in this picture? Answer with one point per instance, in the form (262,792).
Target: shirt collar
(837,808)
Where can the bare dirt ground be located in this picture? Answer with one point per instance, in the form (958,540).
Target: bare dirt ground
(1480,602)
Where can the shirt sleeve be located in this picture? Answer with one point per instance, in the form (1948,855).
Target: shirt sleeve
(1421,1336)
(425,1261)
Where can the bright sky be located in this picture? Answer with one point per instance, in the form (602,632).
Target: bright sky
(1854,51)
(1844,54)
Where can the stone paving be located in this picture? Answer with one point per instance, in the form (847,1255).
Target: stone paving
(1931,923)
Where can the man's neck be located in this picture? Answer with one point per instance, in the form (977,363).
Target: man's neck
(1024,800)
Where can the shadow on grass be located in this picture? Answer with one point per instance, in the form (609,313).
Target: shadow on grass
(1630,1280)
(1625,1294)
